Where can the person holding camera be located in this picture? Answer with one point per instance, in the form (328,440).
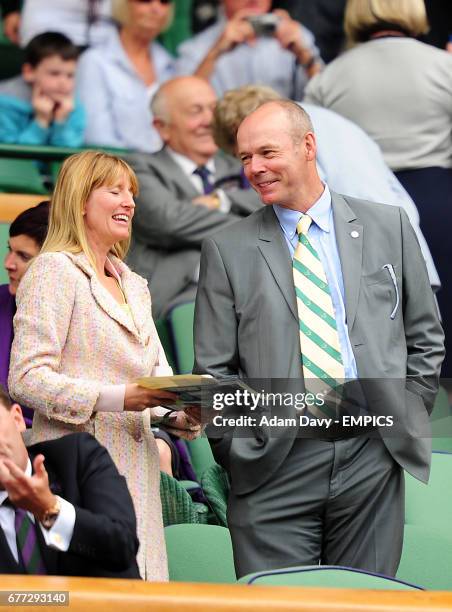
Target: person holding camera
(249,44)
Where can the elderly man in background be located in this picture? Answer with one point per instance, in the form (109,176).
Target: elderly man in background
(250,45)
(187,192)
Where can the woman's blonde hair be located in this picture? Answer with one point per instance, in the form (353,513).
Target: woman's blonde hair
(232,109)
(121,14)
(363,17)
(78,177)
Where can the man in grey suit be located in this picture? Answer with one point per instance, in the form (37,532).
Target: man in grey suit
(328,495)
(188,191)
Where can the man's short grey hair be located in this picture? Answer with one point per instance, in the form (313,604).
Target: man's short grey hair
(159,104)
(299,120)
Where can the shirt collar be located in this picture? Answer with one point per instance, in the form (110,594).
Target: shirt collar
(188,166)
(320,213)
(4,494)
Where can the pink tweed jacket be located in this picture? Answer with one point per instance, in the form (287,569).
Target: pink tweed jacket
(71,338)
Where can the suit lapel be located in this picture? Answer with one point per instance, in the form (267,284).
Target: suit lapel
(8,564)
(103,297)
(349,236)
(275,252)
(178,177)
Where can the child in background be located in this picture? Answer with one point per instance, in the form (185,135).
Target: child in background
(38,107)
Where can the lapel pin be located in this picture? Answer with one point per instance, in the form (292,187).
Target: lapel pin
(354,234)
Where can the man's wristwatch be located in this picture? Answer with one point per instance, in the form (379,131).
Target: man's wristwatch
(51,514)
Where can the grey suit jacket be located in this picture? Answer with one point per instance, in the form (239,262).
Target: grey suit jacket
(168,229)
(246,323)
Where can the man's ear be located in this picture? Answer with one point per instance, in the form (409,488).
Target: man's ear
(28,73)
(310,146)
(17,415)
(162,128)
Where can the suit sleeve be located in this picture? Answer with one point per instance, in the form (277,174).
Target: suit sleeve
(105,527)
(244,201)
(423,331)
(41,328)
(164,221)
(215,327)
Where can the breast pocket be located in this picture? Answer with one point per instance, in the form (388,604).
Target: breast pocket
(382,291)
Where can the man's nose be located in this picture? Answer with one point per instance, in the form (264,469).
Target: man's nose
(10,261)
(256,165)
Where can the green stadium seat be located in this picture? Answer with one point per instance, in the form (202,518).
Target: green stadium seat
(11,58)
(431,504)
(200,455)
(180,323)
(163,332)
(325,576)
(427,555)
(441,421)
(199,553)
(20,176)
(180,29)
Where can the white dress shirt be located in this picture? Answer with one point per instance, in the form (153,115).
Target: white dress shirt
(188,167)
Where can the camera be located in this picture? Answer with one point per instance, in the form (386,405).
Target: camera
(264,25)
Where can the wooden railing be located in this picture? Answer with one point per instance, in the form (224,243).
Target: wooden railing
(130,595)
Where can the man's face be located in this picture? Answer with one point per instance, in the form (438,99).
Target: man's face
(53,76)
(11,444)
(276,167)
(253,7)
(188,130)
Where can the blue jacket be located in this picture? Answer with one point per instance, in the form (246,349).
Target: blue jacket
(18,126)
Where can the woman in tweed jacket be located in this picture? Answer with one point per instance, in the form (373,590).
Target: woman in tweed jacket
(84,332)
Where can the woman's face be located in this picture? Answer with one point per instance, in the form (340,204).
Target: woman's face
(149,18)
(108,214)
(21,249)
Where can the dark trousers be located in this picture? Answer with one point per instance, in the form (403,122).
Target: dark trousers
(334,503)
(431,190)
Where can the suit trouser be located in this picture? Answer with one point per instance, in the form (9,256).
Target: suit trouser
(331,502)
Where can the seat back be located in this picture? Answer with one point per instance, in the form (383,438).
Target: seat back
(20,176)
(427,556)
(431,504)
(201,455)
(327,576)
(199,553)
(180,323)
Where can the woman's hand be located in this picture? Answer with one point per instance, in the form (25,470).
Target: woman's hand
(139,398)
(184,424)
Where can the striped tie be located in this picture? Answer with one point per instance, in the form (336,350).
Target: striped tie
(27,543)
(319,340)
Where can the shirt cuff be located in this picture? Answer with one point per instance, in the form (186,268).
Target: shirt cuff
(111,399)
(59,536)
(225,202)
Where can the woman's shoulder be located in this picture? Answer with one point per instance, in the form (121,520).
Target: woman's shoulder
(54,263)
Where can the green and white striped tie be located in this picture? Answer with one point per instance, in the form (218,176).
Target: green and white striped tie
(319,339)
